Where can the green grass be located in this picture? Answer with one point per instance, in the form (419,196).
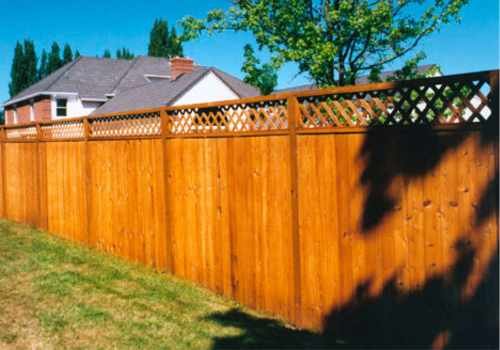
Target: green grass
(55,294)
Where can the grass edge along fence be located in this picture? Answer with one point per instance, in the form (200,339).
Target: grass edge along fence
(319,206)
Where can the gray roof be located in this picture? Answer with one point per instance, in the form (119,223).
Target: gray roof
(166,92)
(361,80)
(93,78)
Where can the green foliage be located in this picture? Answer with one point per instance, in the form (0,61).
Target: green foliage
(30,62)
(333,41)
(67,54)
(2,117)
(124,54)
(77,54)
(263,77)
(42,69)
(54,61)
(16,70)
(106,54)
(162,42)
(23,71)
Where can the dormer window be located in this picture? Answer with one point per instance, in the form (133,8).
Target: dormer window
(61,107)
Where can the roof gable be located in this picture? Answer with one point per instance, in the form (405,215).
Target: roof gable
(163,93)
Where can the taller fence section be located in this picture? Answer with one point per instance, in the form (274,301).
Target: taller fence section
(321,206)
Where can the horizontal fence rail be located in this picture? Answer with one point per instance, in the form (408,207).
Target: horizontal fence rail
(441,101)
(369,212)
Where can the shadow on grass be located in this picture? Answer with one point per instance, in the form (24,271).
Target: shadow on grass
(434,316)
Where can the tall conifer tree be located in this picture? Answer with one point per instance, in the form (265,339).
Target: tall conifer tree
(164,42)
(16,72)
(67,54)
(54,61)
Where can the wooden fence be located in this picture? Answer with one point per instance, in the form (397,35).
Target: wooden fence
(368,212)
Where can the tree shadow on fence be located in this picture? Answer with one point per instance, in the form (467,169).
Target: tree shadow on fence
(435,315)
(394,319)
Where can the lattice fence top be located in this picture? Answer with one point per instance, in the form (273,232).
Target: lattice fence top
(21,133)
(468,99)
(435,101)
(141,124)
(245,117)
(62,129)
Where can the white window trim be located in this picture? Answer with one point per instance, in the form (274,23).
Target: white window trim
(157,76)
(32,112)
(55,103)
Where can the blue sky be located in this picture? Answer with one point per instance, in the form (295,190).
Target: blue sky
(92,26)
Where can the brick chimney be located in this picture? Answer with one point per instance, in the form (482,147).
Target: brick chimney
(180,65)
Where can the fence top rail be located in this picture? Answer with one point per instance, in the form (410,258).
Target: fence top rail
(489,75)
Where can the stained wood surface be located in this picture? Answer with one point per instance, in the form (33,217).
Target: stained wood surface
(316,224)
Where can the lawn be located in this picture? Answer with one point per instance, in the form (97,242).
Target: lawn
(55,294)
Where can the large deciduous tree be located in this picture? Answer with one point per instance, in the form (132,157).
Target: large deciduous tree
(333,41)
(164,42)
(263,76)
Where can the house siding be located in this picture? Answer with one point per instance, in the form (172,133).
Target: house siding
(28,111)
(209,89)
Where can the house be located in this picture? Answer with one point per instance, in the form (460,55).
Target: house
(90,86)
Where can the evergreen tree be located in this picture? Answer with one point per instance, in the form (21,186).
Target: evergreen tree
(42,69)
(158,39)
(124,54)
(16,72)
(67,54)
(77,54)
(174,44)
(162,42)
(23,72)
(54,61)
(29,64)
(107,54)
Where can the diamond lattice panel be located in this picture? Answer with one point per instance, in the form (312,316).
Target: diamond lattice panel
(63,130)
(262,116)
(144,124)
(22,133)
(433,102)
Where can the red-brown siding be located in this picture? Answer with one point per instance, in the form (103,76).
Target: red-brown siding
(41,109)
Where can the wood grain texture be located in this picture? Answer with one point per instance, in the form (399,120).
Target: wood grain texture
(127,213)
(418,238)
(382,214)
(66,189)
(21,192)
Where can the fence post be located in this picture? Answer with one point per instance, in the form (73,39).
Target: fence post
(293,123)
(86,135)
(39,222)
(3,139)
(164,123)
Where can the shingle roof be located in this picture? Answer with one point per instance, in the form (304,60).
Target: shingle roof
(95,77)
(166,92)
(361,80)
